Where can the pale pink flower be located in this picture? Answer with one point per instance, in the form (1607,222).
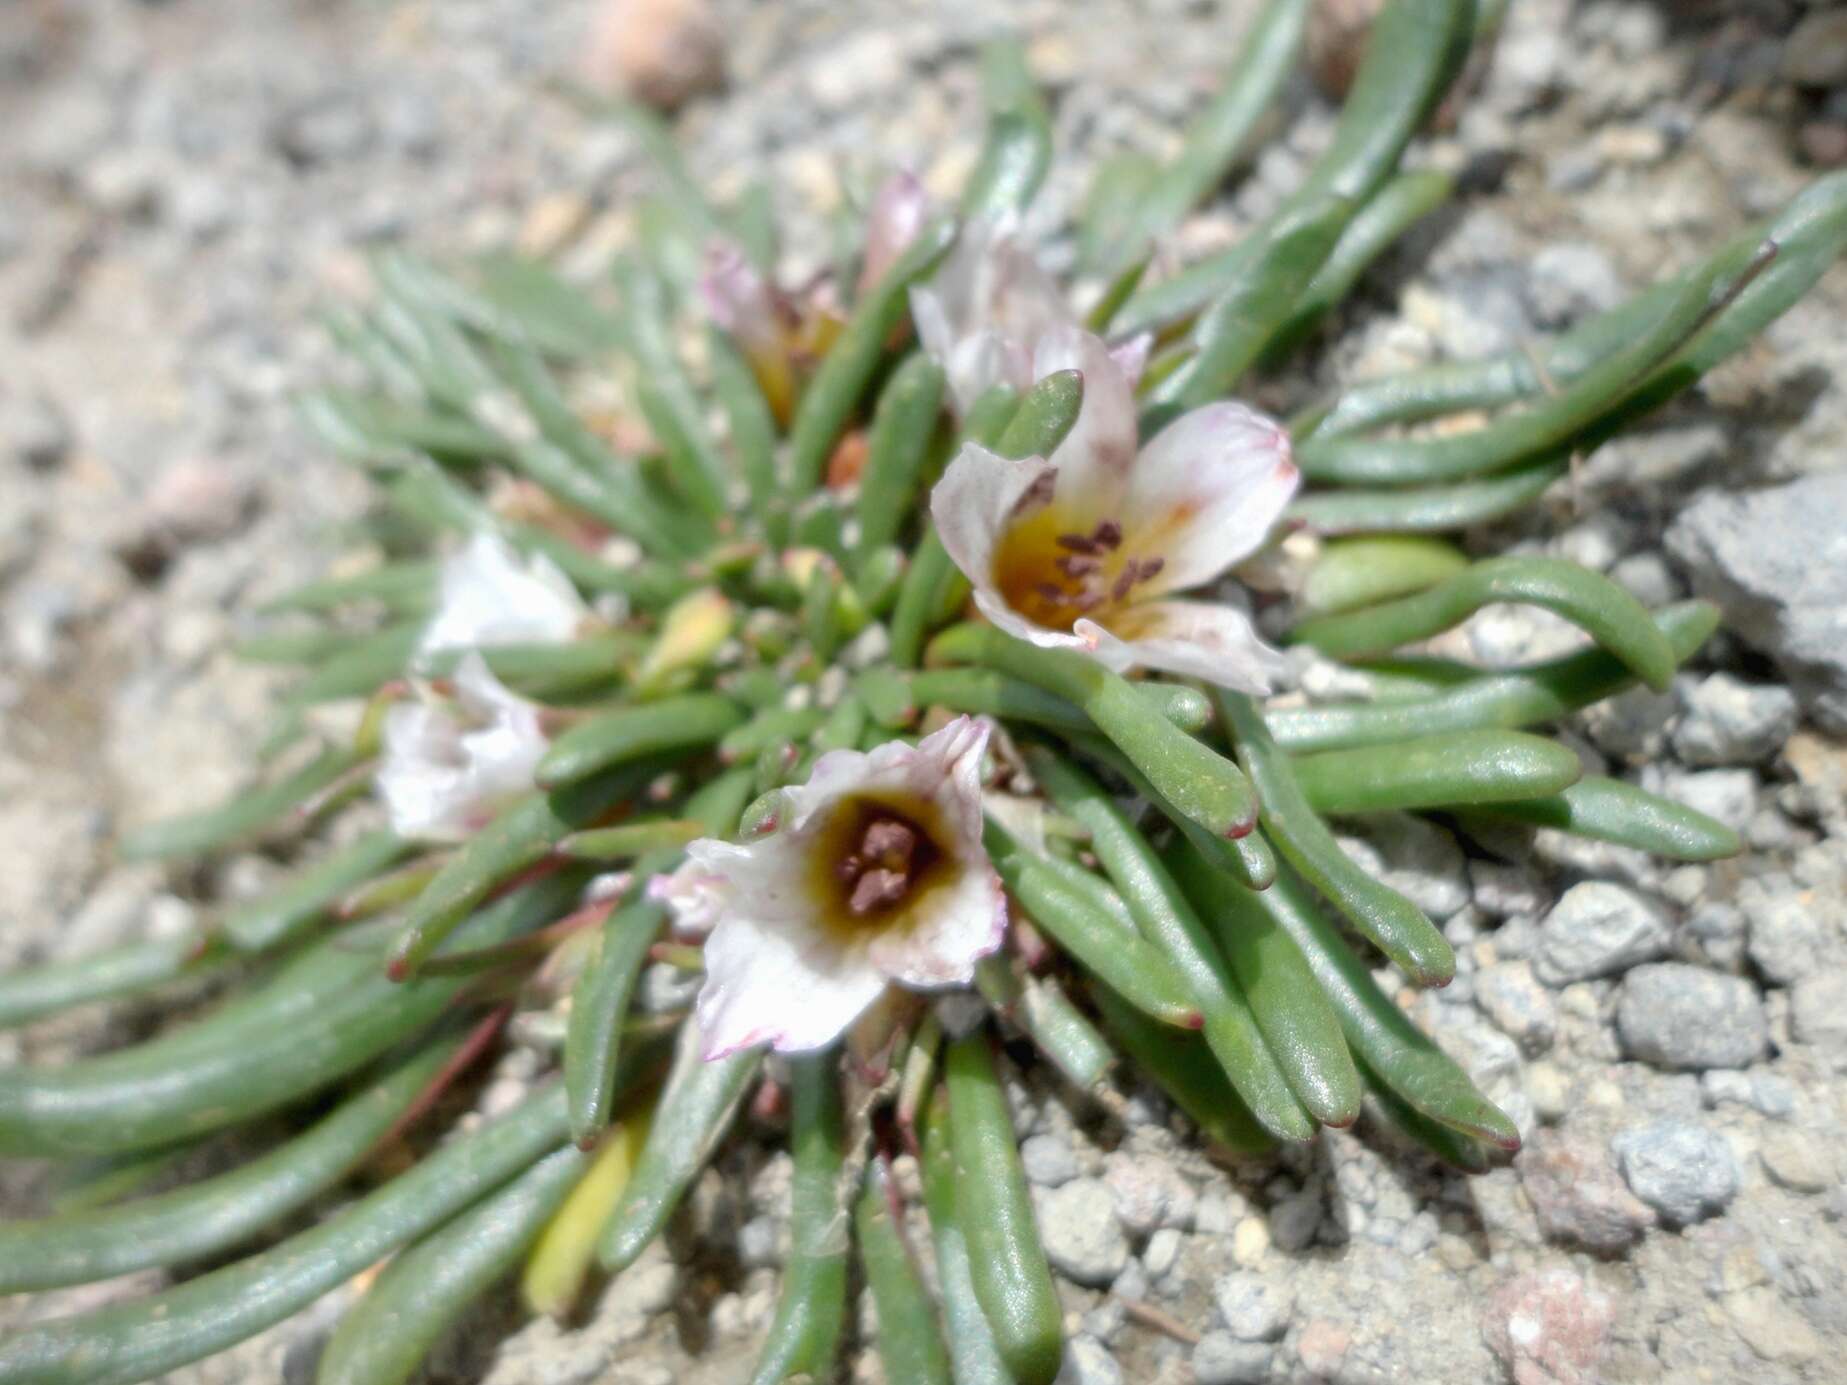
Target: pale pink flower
(984,313)
(1085,549)
(875,877)
(451,762)
(898,212)
(741,302)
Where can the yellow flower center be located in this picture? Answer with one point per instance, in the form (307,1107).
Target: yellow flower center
(1052,572)
(877,857)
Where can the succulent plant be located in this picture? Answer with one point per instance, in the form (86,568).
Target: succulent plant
(842,671)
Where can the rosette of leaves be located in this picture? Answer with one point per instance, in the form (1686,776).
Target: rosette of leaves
(1178,902)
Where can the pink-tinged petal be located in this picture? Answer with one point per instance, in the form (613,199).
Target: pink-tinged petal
(738,299)
(783,965)
(897,214)
(1131,356)
(694,894)
(448,764)
(1097,457)
(489,594)
(1206,491)
(789,986)
(1195,639)
(984,311)
(955,927)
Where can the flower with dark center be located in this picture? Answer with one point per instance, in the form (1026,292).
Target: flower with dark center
(1084,549)
(876,877)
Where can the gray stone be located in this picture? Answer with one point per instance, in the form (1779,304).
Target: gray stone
(1727,795)
(1818,1011)
(1520,1007)
(1082,1238)
(1776,561)
(1684,1171)
(1414,857)
(1088,1362)
(33,429)
(1599,929)
(1505,889)
(1571,279)
(1816,52)
(1648,578)
(1149,1192)
(1577,1195)
(1796,1160)
(1726,721)
(1632,726)
(1787,926)
(1221,1359)
(325,129)
(1255,1305)
(1718,927)
(1294,1221)
(1162,1252)
(1049,1160)
(1688,1018)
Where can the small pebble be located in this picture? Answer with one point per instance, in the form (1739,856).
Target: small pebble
(1684,1171)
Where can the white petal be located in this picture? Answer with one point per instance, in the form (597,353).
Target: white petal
(491,596)
(1097,456)
(790,987)
(984,311)
(449,765)
(972,506)
(695,894)
(896,216)
(771,975)
(1196,639)
(1205,493)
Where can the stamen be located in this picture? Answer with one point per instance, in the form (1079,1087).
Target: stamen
(1124,581)
(1052,592)
(1150,566)
(877,889)
(889,842)
(1077,543)
(890,856)
(1038,493)
(1108,534)
(1072,565)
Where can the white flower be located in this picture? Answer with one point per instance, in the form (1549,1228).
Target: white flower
(450,763)
(1083,550)
(876,877)
(489,595)
(986,311)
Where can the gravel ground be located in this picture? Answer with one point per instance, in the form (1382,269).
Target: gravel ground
(182,183)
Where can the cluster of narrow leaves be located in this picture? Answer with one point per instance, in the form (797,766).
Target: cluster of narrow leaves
(777,591)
